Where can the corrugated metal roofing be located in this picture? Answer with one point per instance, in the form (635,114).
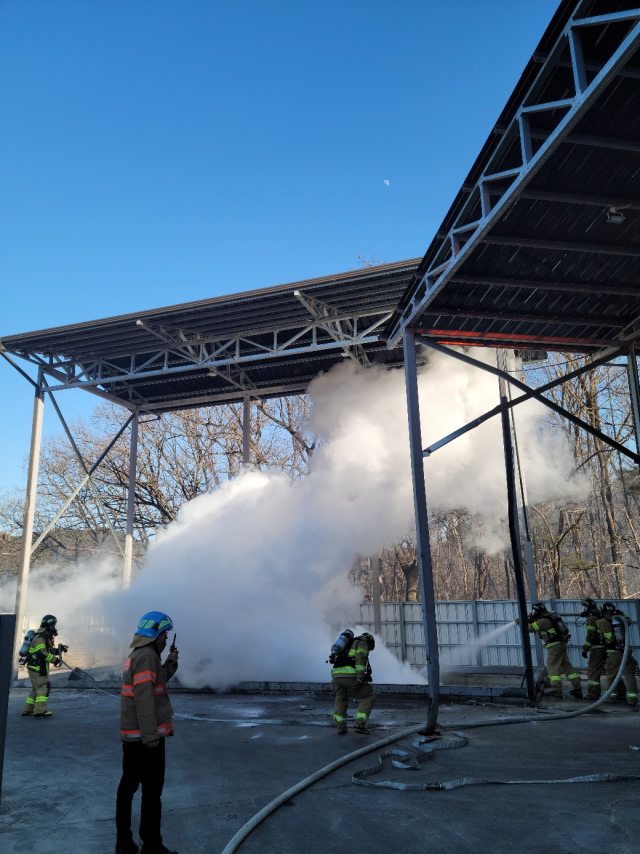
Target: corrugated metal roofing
(551,271)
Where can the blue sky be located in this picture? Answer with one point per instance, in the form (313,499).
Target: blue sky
(155,152)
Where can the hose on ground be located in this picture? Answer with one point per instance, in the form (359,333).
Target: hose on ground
(358,777)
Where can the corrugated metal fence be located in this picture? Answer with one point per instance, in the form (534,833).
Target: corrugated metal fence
(469,632)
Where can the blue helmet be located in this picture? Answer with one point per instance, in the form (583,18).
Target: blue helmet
(153,624)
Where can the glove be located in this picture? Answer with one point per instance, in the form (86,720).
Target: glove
(56,662)
(517,621)
(585,654)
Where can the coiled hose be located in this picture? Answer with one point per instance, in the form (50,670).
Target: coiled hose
(359,776)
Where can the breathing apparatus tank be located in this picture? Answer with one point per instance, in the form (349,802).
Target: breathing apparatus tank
(26,643)
(341,645)
(619,628)
(560,626)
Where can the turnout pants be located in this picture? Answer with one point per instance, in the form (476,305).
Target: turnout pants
(36,701)
(612,665)
(141,766)
(595,669)
(366,699)
(558,665)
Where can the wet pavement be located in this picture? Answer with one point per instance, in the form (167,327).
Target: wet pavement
(232,754)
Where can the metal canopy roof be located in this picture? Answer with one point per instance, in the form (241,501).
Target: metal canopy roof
(265,342)
(530,253)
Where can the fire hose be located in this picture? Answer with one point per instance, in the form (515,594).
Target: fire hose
(427,751)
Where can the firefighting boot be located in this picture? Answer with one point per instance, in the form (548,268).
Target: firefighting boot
(126,847)
(26,712)
(342,727)
(156,849)
(46,714)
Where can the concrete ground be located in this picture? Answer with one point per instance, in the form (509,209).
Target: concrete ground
(61,776)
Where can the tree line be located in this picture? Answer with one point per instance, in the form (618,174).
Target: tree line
(589,547)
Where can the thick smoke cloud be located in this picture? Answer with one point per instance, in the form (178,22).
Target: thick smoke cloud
(254,574)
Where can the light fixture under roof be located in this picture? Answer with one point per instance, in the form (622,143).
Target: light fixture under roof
(615,216)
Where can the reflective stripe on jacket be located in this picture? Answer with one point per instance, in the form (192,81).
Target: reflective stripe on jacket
(358,659)
(41,653)
(547,631)
(145,708)
(594,639)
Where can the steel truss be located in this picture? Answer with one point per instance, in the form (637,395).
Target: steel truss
(465,236)
(182,351)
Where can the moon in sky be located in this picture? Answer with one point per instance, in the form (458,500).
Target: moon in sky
(385,182)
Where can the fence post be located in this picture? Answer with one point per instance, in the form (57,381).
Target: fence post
(403,632)
(7,633)
(476,631)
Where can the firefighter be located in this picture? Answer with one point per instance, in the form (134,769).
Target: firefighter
(613,624)
(549,626)
(145,722)
(353,671)
(41,655)
(593,648)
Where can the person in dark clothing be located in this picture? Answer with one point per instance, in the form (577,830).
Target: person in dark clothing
(145,723)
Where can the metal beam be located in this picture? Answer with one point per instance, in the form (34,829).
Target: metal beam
(533,284)
(131,503)
(219,397)
(529,318)
(246,430)
(562,245)
(92,485)
(29,514)
(466,338)
(613,143)
(462,357)
(471,425)
(634,391)
(577,199)
(80,485)
(422,532)
(444,263)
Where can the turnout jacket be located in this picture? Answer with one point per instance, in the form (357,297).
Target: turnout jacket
(594,639)
(547,631)
(358,658)
(145,708)
(41,653)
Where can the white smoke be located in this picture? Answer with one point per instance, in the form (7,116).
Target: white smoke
(254,575)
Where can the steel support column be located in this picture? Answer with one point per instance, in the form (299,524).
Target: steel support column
(246,431)
(634,391)
(422,531)
(131,503)
(29,514)
(375,593)
(7,633)
(526,521)
(514,533)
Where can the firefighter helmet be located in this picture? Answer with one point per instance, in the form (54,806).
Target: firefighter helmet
(153,624)
(589,606)
(608,608)
(369,639)
(48,623)
(538,606)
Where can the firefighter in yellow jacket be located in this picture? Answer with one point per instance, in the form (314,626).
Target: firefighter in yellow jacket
(145,721)
(541,620)
(614,625)
(593,648)
(42,653)
(353,671)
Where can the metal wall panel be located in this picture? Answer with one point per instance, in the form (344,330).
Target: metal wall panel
(462,626)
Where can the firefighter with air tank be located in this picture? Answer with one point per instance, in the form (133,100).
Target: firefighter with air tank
(593,648)
(554,634)
(39,655)
(613,625)
(351,671)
